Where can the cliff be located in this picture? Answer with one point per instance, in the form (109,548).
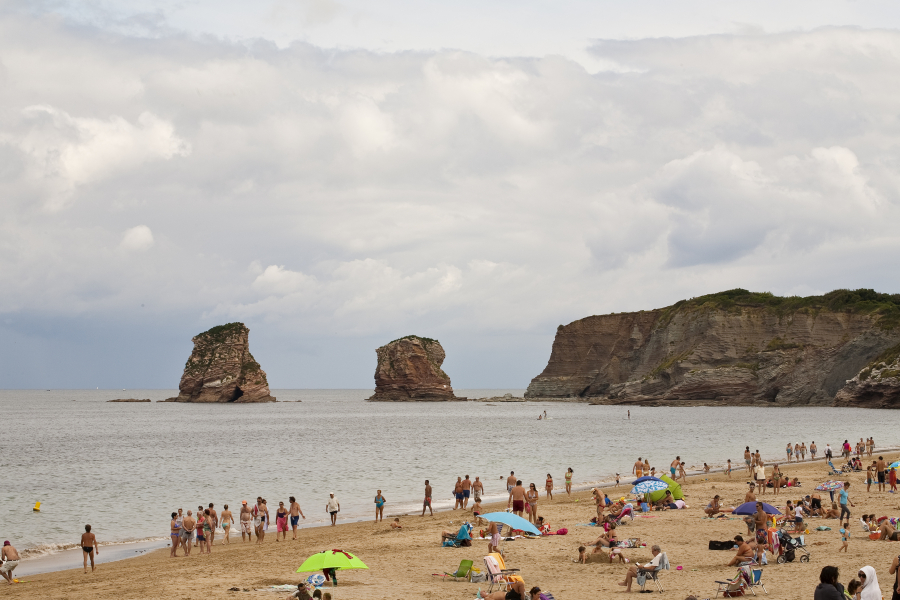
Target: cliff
(221,369)
(735,347)
(409,369)
(877,385)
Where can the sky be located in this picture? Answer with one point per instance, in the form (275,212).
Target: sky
(338,174)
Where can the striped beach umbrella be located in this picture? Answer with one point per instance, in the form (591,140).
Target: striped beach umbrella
(830,486)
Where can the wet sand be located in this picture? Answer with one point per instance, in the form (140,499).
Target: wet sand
(401,563)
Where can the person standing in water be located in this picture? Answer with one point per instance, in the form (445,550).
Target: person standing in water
(215,523)
(333,507)
(379,506)
(175,534)
(467,491)
(89,547)
(478,488)
(638,468)
(629,415)
(246,518)
(569,474)
(427,502)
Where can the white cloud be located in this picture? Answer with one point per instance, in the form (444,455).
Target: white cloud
(137,238)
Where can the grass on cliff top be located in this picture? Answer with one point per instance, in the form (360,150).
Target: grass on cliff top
(220,332)
(410,337)
(861,301)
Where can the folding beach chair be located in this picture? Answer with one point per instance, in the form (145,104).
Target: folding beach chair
(833,471)
(465,567)
(497,576)
(654,574)
(756,580)
(734,586)
(502,563)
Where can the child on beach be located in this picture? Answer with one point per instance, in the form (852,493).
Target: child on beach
(845,536)
(728,468)
(582,555)
(706,468)
(617,480)
(396,524)
(853,589)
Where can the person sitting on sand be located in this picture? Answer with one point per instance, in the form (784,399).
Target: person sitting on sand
(606,539)
(635,569)
(396,524)
(713,507)
(302,593)
(832,513)
(744,553)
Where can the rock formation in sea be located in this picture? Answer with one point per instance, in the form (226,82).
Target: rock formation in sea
(409,369)
(221,369)
(130,400)
(731,348)
(877,385)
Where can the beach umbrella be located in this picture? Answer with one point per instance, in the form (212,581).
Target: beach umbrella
(895,465)
(830,486)
(331,559)
(645,478)
(514,521)
(749,508)
(646,487)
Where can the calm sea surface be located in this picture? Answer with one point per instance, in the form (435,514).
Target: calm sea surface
(125,467)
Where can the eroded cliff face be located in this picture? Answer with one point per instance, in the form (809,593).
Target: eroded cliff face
(409,369)
(877,385)
(720,350)
(221,369)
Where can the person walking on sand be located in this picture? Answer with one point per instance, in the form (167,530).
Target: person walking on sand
(845,536)
(776,478)
(187,532)
(569,474)
(646,466)
(517,498)
(246,518)
(844,500)
(209,526)
(89,547)
(467,491)
(227,522)
(728,469)
(796,452)
(281,522)
(548,486)
(761,479)
(638,468)
(673,466)
(812,450)
(748,456)
(215,523)
(296,513)
(828,453)
(790,451)
(880,468)
(494,534)
(457,494)
(477,488)
(427,502)
(803,451)
(681,472)
(258,520)
(333,507)
(10,558)
(379,506)
(511,481)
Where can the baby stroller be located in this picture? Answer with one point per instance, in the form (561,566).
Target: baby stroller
(789,547)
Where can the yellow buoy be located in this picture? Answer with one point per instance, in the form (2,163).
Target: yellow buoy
(37,507)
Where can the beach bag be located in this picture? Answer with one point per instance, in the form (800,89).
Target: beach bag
(641,578)
(714,545)
(562,531)
(478,577)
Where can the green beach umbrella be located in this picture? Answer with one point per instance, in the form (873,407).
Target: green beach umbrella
(331,559)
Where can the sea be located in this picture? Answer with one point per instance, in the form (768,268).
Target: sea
(125,467)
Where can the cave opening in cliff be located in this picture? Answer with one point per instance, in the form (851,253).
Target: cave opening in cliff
(238,392)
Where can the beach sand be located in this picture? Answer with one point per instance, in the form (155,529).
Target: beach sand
(401,563)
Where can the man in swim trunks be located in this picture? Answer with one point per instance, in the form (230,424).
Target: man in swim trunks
(748,456)
(89,547)
(246,519)
(466,490)
(638,468)
(494,542)
(673,467)
(511,481)
(517,498)
(880,468)
(427,503)
(187,532)
(296,513)
(333,507)
(458,493)
(478,488)
(10,558)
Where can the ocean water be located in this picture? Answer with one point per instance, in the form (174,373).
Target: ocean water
(124,468)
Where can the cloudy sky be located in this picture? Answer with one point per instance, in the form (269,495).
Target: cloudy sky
(337,174)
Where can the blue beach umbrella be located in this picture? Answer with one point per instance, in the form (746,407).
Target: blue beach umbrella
(749,508)
(514,521)
(648,487)
(645,478)
(895,465)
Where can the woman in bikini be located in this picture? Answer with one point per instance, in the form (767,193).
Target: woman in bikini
(175,533)
(776,478)
(549,486)
(569,474)
(532,496)
(208,525)
(790,451)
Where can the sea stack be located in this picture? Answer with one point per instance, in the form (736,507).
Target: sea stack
(409,370)
(221,369)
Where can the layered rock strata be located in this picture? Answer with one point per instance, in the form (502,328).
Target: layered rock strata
(409,369)
(221,369)
(129,400)
(730,348)
(877,385)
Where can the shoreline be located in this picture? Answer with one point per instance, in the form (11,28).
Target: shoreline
(62,560)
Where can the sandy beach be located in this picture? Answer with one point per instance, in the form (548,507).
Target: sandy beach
(401,563)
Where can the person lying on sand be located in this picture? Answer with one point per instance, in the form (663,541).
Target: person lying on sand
(516,592)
